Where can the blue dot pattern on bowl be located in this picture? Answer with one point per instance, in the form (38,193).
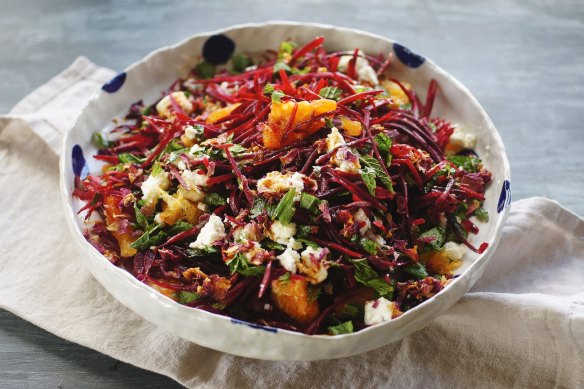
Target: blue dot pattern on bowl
(407,57)
(78,161)
(256,326)
(115,83)
(505,197)
(218,49)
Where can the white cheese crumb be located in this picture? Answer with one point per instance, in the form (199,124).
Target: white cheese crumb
(454,251)
(192,132)
(276,183)
(344,159)
(334,139)
(364,71)
(280,233)
(164,106)
(361,217)
(154,185)
(463,139)
(288,259)
(378,311)
(212,231)
(312,266)
(197,178)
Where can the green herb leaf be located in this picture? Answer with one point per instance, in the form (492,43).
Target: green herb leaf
(178,227)
(240,265)
(156,169)
(286,47)
(140,218)
(368,161)
(331,92)
(343,328)
(215,199)
(285,209)
(202,252)
(185,297)
(470,163)
(418,270)
(309,202)
(313,292)
(268,89)
(384,144)
(240,62)
(99,141)
(303,231)
(284,277)
(277,96)
(439,237)
(482,214)
(366,275)
(260,205)
(307,242)
(270,244)
(205,70)
(352,310)
(368,245)
(281,65)
(368,175)
(151,237)
(129,158)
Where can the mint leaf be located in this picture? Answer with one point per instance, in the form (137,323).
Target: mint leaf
(368,245)
(368,175)
(366,275)
(309,202)
(277,96)
(384,144)
(343,328)
(470,163)
(260,205)
(240,62)
(439,237)
(281,65)
(178,227)
(149,238)
(482,214)
(240,265)
(370,162)
(285,209)
(99,141)
(129,158)
(156,169)
(286,47)
(185,297)
(268,89)
(140,218)
(307,242)
(215,199)
(418,270)
(331,92)
(205,69)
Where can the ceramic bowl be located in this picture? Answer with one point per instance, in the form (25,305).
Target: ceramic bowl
(148,77)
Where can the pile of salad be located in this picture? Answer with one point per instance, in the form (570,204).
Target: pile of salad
(305,190)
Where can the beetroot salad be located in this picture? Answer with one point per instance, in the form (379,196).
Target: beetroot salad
(303,189)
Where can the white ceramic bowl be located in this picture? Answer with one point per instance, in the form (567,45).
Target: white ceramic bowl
(148,77)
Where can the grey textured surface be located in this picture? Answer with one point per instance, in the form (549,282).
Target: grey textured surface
(523,60)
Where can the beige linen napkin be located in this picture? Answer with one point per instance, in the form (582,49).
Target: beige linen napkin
(522,325)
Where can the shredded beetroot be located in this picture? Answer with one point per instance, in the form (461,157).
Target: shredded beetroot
(348,203)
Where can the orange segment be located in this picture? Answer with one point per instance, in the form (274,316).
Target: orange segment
(437,262)
(220,113)
(274,135)
(291,297)
(351,127)
(112,212)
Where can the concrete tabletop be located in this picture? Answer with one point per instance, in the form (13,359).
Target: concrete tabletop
(522,59)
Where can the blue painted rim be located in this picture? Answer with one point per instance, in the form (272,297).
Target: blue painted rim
(115,83)
(253,325)
(408,57)
(218,49)
(78,162)
(504,197)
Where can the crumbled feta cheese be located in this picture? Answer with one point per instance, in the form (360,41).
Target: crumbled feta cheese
(154,185)
(281,233)
(196,149)
(164,106)
(344,159)
(364,71)
(454,251)
(276,183)
(197,178)
(288,259)
(247,232)
(378,311)
(361,217)
(334,139)
(463,139)
(193,132)
(312,265)
(158,219)
(203,207)
(181,165)
(212,231)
